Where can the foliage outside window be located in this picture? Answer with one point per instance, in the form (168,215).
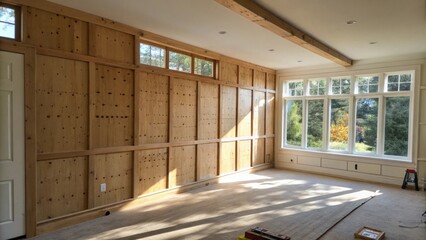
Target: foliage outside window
(179,62)
(373,119)
(9,21)
(203,67)
(295,88)
(368,84)
(317,87)
(340,86)
(152,55)
(398,82)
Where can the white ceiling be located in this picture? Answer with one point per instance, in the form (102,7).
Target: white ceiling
(398,27)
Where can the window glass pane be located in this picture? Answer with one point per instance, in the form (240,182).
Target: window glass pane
(316,87)
(179,62)
(368,84)
(339,120)
(203,67)
(400,82)
(295,88)
(340,86)
(315,123)
(7,22)
(397,125)
(366,125)
(294,122)
(153,56)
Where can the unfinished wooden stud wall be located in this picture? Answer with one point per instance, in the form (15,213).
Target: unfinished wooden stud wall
(101,117)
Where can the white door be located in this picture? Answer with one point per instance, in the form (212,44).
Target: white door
(12,161)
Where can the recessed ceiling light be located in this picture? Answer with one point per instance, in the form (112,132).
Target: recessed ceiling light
(222,32)
(372,43)
(350,22)
(271,50)
(299,61)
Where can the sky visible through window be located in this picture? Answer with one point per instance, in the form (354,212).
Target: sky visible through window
(7,22)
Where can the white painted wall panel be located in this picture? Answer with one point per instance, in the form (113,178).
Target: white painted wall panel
(334,164)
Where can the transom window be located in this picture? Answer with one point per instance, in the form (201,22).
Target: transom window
(163,57)
(9,21)
(373,118)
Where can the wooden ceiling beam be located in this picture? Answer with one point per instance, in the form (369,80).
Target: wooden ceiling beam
(257,14)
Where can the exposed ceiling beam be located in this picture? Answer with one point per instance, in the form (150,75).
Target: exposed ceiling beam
(257,14)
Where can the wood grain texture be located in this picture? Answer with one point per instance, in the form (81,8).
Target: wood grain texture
(113,106)
(49,30)
(244,112)
(259,113)
(182,165)
(228,157)
(111,44)
(228,110)
(61,187)
(270,81)
(228,72)
(269,150)
(209,111)
(184,111)
(245,76)
(62,104)
(153,108)
(258,151)
(207,160)
(244,154)
(115,170)
(270,114)
(259,79)
(151,170)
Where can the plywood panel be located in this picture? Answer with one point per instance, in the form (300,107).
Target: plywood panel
(259,151)
(61,187)
(116,171)
(184,110)
(259,80)
(270,114)
(182,165)
(151,170)
(259,113)
(245,76)
(228,110)
(244,154)
(209,111)
(244,112)
(269,148)
(270,81)
(113,106)
(153,108)
(207,160)
(111,44)
(228,72)
(50,30)
(228,156)
(62,104)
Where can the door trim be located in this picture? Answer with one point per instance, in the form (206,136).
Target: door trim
(30,131)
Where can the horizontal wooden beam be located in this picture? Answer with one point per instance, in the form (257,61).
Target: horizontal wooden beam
(259,15)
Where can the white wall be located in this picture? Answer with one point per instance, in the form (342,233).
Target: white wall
(356,167)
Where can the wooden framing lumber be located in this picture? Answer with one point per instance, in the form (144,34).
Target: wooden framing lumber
(259,15)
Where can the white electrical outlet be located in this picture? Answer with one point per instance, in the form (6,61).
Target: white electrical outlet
(103,187)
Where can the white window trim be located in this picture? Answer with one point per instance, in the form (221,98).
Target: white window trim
(382,93)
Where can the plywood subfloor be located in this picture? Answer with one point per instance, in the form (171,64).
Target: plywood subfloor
(297,204)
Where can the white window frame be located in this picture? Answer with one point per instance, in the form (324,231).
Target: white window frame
(353,96)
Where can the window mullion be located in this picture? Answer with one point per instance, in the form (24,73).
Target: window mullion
(381,127)
(351,124)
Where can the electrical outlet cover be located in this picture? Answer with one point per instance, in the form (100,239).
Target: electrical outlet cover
(103,187)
